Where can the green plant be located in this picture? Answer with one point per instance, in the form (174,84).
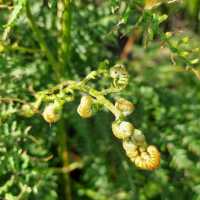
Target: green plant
(49,46)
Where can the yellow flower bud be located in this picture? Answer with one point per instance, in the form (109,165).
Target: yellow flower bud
(84,109)
(138,136)
(130,148)
(145,156)
(27,110)
(149,160)
(119,75)
(140,162)
(142,149)
(117,71)
(52,112)
(133,155)
(122,130)
(128,145)
(125,106)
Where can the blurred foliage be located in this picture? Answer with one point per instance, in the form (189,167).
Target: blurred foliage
(163,64)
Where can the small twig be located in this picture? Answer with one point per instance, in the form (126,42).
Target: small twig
(21,49)
(11,99)
(6,7)
(71,167)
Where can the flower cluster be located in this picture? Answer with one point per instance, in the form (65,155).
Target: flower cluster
(133,140)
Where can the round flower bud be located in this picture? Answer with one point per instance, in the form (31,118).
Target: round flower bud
(117,71)
(125,106)
(84,109)
(142,149)
(153,151)
(130,148)
(122,130)
(138,136)
(132,154)
(128,145)
(141,163)
(145,156)
(27,110)
(155,157)
(52,112)
(132,159)
(120,76)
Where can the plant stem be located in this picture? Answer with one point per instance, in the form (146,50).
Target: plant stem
(42,42)
(58,69)
(64,55)
(73,85)
(102,100)
(22,49)
(11,99)
(64,156)
(65,32)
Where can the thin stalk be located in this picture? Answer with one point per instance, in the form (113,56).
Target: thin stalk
(58,69)
(64,156)
(42,42)
(64,55)
(80,86)
(65,35)
(11,99)
(102,100)
(20,49)
(6,7)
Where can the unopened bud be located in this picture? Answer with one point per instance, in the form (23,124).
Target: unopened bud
(52,112)
(85,107)
(138,136)
(27,110)
(130,148)
(122,130)
(125,106)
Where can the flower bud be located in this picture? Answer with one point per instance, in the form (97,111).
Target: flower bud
(130,148)
(138,136)
(149,160)
(128,145)
(117,71)
(133,155)
(27,110)
(84,109)
(122,130)
(145,156)
(52,112)
(120,76)
(153,152)
(125,106)
(142,149)
(140,162)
